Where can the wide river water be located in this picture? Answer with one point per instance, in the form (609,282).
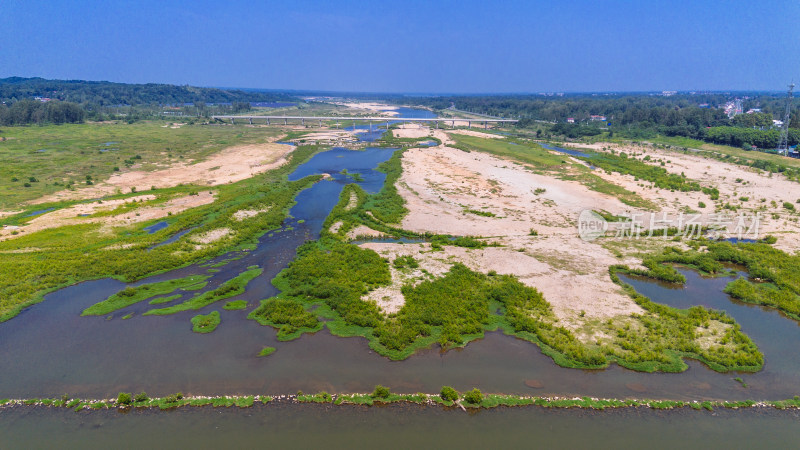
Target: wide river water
(49,350)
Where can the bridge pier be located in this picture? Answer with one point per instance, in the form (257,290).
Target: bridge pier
(267,120)
(303,122)
(286,121)
(251,120)
(320,123)
(469,124)
(484,125)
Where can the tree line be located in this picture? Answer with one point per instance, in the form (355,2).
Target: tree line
(26,112)
(104,93)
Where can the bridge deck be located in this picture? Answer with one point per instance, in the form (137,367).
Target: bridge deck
(376,118)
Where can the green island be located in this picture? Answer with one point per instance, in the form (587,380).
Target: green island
(206,323)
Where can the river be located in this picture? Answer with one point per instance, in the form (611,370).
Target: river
(49,350)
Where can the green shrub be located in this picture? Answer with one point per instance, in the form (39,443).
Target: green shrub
(448,394)
(473,397)
(380,392)
(141,397)
(402,262)
(124,399)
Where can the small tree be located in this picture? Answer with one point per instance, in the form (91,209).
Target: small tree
(380,392)
(141,397)
(474,396)
(124,399)
(448,394)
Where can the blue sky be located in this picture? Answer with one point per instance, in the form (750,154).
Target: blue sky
(409,46)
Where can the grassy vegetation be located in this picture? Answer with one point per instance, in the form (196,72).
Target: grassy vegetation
(163,300)
(235,305)
(660,177)
(525,152)
(205,323)
(459,306)
(288,316)
(71,254)
(472,399)
(387,205)
(133,295)
(62,155)
(230,288)
(266,351)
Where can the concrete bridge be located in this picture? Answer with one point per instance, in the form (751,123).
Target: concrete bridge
(284,120)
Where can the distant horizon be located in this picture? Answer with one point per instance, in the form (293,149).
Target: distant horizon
(466,47)
(418,94)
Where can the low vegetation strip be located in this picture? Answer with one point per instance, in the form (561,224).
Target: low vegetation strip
(230,288)
(133,295)
(473,399)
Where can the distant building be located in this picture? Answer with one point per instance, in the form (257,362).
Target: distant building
(777,123)
(42,99)
(703,105)
(753,110)
(570,120)
(595,118)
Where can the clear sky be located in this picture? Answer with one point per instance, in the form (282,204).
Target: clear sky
(431,46)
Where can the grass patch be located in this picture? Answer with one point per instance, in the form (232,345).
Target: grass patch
(288,316)
(266,351)
(230,288)
(132,295)
(235,305)
(205,323)
(164,300)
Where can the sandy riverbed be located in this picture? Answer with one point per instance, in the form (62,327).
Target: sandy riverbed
(229,165)
(441,184)
(739,186)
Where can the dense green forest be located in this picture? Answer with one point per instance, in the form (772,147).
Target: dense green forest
(32,111)
(697,116)
(105,93)
(38,101)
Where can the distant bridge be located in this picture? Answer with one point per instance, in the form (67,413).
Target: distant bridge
(268,120)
